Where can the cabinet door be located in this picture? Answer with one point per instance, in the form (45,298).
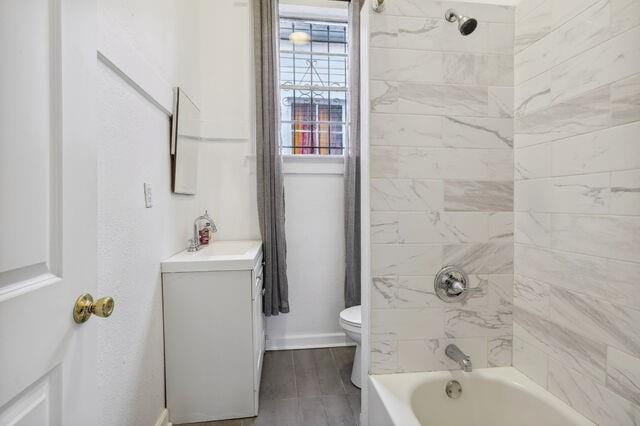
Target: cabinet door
(208,345)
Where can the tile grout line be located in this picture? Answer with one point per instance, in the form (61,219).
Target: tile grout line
(335,365)
(564,138)
(609,85)
(295,379)
(295,386)
(344,386)
(578,291)
(564,61)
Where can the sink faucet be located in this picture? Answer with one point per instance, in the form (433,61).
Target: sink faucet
(460,357)
(194,244)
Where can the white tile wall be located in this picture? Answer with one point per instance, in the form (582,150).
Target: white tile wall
(577,203)
(623,374)
(441,183)
(451,167)
(592,399)
(530,360)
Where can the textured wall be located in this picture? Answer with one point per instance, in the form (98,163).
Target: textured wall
(132,241)
(441,183)
(577,202)
(132,138)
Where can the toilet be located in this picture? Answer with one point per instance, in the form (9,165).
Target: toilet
(351,323)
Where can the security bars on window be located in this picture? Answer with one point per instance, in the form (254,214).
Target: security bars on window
(313,87)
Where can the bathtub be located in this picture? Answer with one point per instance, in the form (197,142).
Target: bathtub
(490,397)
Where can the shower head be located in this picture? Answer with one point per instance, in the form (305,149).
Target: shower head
(466,25)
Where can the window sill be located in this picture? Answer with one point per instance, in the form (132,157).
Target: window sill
(313,164)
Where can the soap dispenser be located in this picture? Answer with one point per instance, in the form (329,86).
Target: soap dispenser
(206,228)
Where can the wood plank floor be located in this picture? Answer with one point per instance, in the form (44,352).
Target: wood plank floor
(307,387)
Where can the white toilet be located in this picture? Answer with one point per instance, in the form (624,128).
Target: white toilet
(351,322)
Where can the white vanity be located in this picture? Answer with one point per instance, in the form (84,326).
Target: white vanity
(214,331)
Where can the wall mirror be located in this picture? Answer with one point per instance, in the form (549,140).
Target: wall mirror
(185,140)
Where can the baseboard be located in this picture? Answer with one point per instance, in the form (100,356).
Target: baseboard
(163,420)
(308,341)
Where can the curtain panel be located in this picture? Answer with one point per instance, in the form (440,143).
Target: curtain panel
(352,165)
(270,180)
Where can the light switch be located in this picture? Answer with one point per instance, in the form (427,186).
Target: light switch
(148,203)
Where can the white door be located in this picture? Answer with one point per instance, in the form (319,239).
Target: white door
(47,211)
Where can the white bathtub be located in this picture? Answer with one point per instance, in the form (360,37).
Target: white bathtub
(490,397)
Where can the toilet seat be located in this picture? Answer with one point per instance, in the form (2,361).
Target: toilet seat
(352,316)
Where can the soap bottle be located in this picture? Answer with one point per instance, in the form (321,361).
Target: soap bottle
(206,228)
(212,225)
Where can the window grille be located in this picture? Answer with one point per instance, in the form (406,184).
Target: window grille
(313,87)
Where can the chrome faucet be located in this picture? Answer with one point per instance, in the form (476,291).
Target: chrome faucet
(194,244)
(460,357)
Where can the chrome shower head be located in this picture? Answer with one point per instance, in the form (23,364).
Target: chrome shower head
(466,25)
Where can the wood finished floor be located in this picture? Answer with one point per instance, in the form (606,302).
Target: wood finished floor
(307,387)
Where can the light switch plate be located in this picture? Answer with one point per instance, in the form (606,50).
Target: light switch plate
(148,202)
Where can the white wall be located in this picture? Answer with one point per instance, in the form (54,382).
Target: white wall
(132,240)
(315,258)
(154,45)
(314,205)
(148,47)
(143,39)
(224,46)
(226,68)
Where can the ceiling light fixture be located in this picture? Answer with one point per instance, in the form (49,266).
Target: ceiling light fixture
(299,37)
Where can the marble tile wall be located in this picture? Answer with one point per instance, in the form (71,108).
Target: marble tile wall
(441,183)
(577,203)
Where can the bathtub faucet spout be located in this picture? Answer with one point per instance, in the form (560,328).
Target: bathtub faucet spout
(460,357)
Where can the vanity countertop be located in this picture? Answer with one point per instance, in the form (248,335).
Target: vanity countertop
(217,256)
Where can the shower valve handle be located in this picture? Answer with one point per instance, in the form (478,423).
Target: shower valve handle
(452,285)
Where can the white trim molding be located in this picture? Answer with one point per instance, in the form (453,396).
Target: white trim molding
(219,131)
(308,341)
(365,213)
(115,53)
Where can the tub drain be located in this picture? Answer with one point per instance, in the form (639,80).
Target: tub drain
(453,389)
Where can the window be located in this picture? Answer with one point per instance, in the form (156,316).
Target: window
(313,86)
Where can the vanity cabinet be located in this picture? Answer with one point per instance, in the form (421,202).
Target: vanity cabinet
(214,332)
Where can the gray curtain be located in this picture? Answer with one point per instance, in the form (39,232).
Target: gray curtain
(352,166)
(268,159)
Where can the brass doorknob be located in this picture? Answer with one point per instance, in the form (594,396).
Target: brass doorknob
(85,306)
